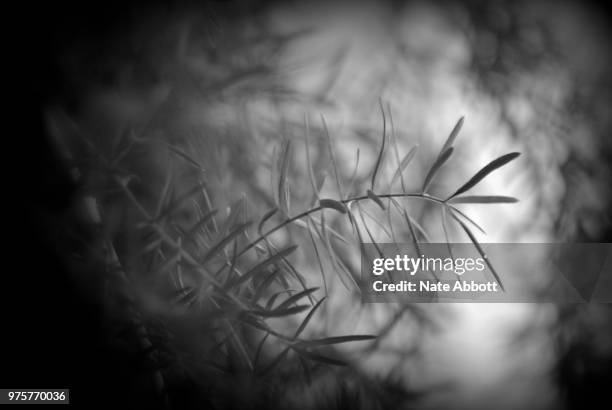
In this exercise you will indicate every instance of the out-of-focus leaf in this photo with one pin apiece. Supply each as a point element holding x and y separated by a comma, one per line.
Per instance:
<point>353,175</point>
<point>486,170</point>
<point>333,157</point>
<point>259,349</point>
<point>445,229</point>
<point>201,223</point>
<point>304,323</point>
<point>367,228</point>
<point>336,263</point>
<point>315,188</point>
<point>467,218</point>
<point>275,362</point>
<point>436,167</point>
<point>264,285</point>
<point>261,265</point>
<point>307,374</point>
<point>278,312</point>
<point>480,250</point>
<point>336,340</point>
<point>223,242</point>
<point>320,358</point>
<point>167,263</point>
<point>182,154</point>
<point>240,346</point>
<point>483,199</point>
<point>186,295</point>
<point>317,255</point>
<point>378,222</point>
<point>296,297</point>
<point>283,166</point>
<point>331,231</point>
<point>404,163</point>
<point>165,192</point>
<point>411,222</point>
<point>178,201</point>
<point>235,213</point>
<point>381,153</point>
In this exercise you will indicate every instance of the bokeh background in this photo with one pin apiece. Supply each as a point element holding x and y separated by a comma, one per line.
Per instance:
<point>226,82</point>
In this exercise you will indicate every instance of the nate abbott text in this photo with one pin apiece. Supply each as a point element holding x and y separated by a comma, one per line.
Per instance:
<point>427,286</point>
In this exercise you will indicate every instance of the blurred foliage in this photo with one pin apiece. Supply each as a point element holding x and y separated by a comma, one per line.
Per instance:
<point>142,105</point>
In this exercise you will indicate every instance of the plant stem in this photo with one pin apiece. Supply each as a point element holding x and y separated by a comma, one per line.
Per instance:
<point>344,201</point>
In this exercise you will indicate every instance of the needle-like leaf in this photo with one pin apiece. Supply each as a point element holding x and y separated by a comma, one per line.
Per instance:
<point>436,167</point>
<point>403,164</point>
<point>296,297</point>
<point>483,199</point>
<point>453,135</point>
<point>336,340</point>
<point>486,170</point>
<point>376,199</point>
<point>307,318</point>
<point>283,166</point>
<point>333,204</point>
<point>261,265</point>
<point>480,250</point>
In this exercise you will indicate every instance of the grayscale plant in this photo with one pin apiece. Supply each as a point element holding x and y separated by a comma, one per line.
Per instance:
<point>201,297</point>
